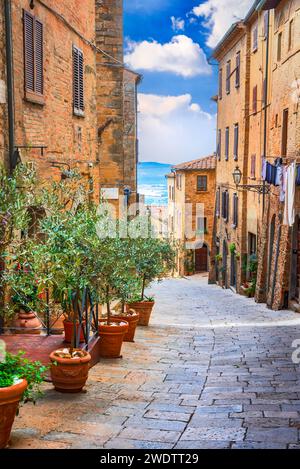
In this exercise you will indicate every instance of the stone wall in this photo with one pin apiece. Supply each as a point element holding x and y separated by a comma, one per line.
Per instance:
<point>3,97</point>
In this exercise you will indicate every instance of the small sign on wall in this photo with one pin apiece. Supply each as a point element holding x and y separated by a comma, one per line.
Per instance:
<point>110,193</point>
<point>2,92</point>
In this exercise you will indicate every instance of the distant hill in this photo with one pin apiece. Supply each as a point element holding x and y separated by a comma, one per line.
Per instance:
<point>152,182</point>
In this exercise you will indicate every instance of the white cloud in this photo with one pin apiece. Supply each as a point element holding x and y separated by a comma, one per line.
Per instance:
<point>173,129</point>
<point>178,24</point>
<point>180,56</point>
<point>219,16</point>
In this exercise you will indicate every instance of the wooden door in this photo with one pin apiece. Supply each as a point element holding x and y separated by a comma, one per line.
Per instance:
<point>201,259</point>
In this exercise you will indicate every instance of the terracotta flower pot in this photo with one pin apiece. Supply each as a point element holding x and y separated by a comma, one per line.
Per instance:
<point>27,323</point>
<point>132,317</point>
<point>9,402</point>
<point>144,308</point>
<point>68,327</point>
<point>111,338</point>
<point>69,375</point>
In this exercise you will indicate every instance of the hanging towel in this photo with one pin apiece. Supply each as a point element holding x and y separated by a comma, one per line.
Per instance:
<point>268,172</point>
<point>273,174</point>
<point>279,172</point>
<point>283,183</point>
<point>289,208</point>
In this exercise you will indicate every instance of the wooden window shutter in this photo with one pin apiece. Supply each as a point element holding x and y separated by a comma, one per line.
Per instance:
<point>78,85</point>
<point>253,166</point>
<point>236,142</point>
<point>227,143</point>
<point>220,84</point>
<point>228,74</point>
<point>235,210</point>
<point>254,103</point>
<point>219,144</point>
<point>238,70</point>
<point>218,201</point>
<point>33,54</point>
<point>227,205</point>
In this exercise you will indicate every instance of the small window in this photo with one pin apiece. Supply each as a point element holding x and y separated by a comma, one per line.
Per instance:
<point>33,56</point>
<point>291,35</point>
<point>201,183</point>
<point>252,247</point>
<point>255,39</point>
<point>253,167</point>
<point>220,84</point>
<point>266,24</point>
<point>236,142</point>
<point>78,85</point>
<point>254,100</point>
<point>179,181</point>
<point>219,144</point>
<point>238,70</point>
<point>235,213</point>
<point>279,47</point>
<point>227,143</point>
<point>228,74</point>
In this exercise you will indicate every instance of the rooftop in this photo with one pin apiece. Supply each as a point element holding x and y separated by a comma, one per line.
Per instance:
<point>209,162</point>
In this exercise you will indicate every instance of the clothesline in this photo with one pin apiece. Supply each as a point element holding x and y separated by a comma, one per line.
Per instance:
<point>286,177</point>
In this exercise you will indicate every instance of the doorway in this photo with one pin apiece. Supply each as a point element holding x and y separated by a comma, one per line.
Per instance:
<point>201,259</point>
<point>224,266</point>
<point>233,270</point>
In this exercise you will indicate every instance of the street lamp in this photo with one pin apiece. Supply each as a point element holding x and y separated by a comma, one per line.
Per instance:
<point>237,176</point>
<point>260,188</point>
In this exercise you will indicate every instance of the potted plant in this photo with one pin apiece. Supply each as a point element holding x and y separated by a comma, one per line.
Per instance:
<point>153,258</point>
<point>19,383</point>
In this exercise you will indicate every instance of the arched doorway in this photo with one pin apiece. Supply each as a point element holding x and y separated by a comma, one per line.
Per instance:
<point>201,259</point>
<point>224,266</point>
<point>295,262</point>
<point>271,247</point>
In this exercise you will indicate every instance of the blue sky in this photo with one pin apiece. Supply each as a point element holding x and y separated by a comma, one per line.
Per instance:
<point>169,42</point>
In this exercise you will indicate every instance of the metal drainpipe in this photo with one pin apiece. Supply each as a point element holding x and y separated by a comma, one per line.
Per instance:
<point>266,102</point>
<point>10,82</point>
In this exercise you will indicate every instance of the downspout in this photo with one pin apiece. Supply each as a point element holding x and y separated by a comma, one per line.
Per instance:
<point>10,83</point>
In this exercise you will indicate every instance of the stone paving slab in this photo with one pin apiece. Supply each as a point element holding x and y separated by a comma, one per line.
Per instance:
<point>213,370</point>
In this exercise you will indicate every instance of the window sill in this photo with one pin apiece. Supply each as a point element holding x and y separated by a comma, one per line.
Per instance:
<point>34,98</point>
<point>201,191</point>
<point>78,113</point>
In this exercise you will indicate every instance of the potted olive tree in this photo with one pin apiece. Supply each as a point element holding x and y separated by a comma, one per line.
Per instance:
<point>154,258</point>
<point>19,383</point>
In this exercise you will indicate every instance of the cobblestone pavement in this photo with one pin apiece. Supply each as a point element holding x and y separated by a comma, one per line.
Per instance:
<point>214,370</point>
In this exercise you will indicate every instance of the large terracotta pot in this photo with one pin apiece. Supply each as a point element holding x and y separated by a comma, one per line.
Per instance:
<point>68,327</point>
<point>9,402</point>
<point>132,317</point>
<point>69,375</point>
<point>27,323</point>
<point>111,338</point>
<point>144,308</point>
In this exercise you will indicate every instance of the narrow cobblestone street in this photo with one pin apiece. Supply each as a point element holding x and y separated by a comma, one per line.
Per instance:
<point>213,370</point>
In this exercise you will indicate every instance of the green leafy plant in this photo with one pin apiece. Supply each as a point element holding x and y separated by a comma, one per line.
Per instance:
<point>219,257</point>
<point>232,248</point>
<point>17,367</point>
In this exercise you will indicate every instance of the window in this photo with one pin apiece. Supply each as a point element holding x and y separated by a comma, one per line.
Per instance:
<point>291,35</point>
<point>228,73</point>
<point>254,100</point>
<point>284,138</point>
<point>225,205</point>
<point>179,181</point>
<point>218,202</point>
<point>266,24</point>
<point>252,243</point>
<point>227,143</point>
<point>279,47</point>
<point>201,183</point>
<point>219,144</point>
<point>33,57</point>
<point>78,87</point>
<point>235,210</point>
<point>255,39</point>
<point>253,167</point>
<point>220,84</point>
<point>236,142</point>
<point>238,70</point>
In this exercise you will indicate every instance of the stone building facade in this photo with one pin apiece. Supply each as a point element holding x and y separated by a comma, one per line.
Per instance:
<point>279,254</point>
<point>3,95</point>
<point>230,239</point>
<point>69,91</point>
<point>191,203</point>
